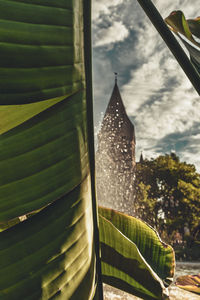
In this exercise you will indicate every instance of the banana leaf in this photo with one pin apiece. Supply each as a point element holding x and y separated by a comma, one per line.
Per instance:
<point>134,258</point>
<point>49,237</point>
<point>189,33</point>
<point>45,173</point>
<point>189,283</point>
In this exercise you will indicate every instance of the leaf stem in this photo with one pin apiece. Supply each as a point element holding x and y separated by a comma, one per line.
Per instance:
<point>90,124</point>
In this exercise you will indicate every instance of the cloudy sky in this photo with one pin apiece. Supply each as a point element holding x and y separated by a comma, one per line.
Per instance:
<point>158,97</point>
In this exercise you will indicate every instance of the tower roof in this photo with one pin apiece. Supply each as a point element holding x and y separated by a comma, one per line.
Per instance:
<point>116,118</point>
<point>141,158</point>
<point>115,102</point>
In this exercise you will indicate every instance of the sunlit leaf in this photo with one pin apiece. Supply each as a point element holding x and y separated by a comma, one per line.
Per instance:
<point>50,254</point>
<point>44,161</point>
<point>47,240</point>
<point>189,32</point>
<point>133,256</point>
<point>190,283</point>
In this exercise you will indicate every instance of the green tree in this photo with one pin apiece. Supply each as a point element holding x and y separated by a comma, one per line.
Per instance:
<point>170,191</point>
<point>145,206</point>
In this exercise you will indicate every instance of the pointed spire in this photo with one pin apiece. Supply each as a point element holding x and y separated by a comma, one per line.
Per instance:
<point>141,158</point>
<point>116,118</point>
<point>115,104</point>
<point>115,77</point>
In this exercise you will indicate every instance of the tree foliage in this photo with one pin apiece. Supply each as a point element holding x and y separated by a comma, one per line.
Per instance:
<point>168,193</point>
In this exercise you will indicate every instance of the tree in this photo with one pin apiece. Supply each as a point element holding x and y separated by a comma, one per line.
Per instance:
<point>172,189</point>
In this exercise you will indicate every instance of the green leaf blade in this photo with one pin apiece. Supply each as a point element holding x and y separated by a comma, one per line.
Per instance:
<point>156,253</point>
<point>46,64</point>
<point>44,161</point>
<point>46,246</point>
<point>51,161</point>
<point>186,31</point>
<point>124,267</point>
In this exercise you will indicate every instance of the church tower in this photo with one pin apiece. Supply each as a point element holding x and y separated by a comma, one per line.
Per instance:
<point>115,158</point>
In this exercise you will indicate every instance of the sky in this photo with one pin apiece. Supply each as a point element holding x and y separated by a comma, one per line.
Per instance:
<point>159,98</point>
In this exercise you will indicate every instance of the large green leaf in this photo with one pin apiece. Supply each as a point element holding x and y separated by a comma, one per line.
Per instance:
<point>49,254</point>
<point>133,256</point>
<point>41,50</point>
<point>45,169</point>
<point>43,158</point>
<point>189,283</point>
<point>189,32</point>
<point>44,161</point>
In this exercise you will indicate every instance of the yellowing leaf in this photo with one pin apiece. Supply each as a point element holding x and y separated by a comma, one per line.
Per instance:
<point>189,283</point>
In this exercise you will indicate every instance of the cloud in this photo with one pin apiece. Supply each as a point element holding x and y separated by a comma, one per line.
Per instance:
<point>188,146</point>
<point>116,32</point>
<point>190,153</point>
<point>103,6</point>
<point>160,98</point>
<point>189,8</point>
<point>157,95</point>
<point>170,125</point>
<point>108,28</point>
